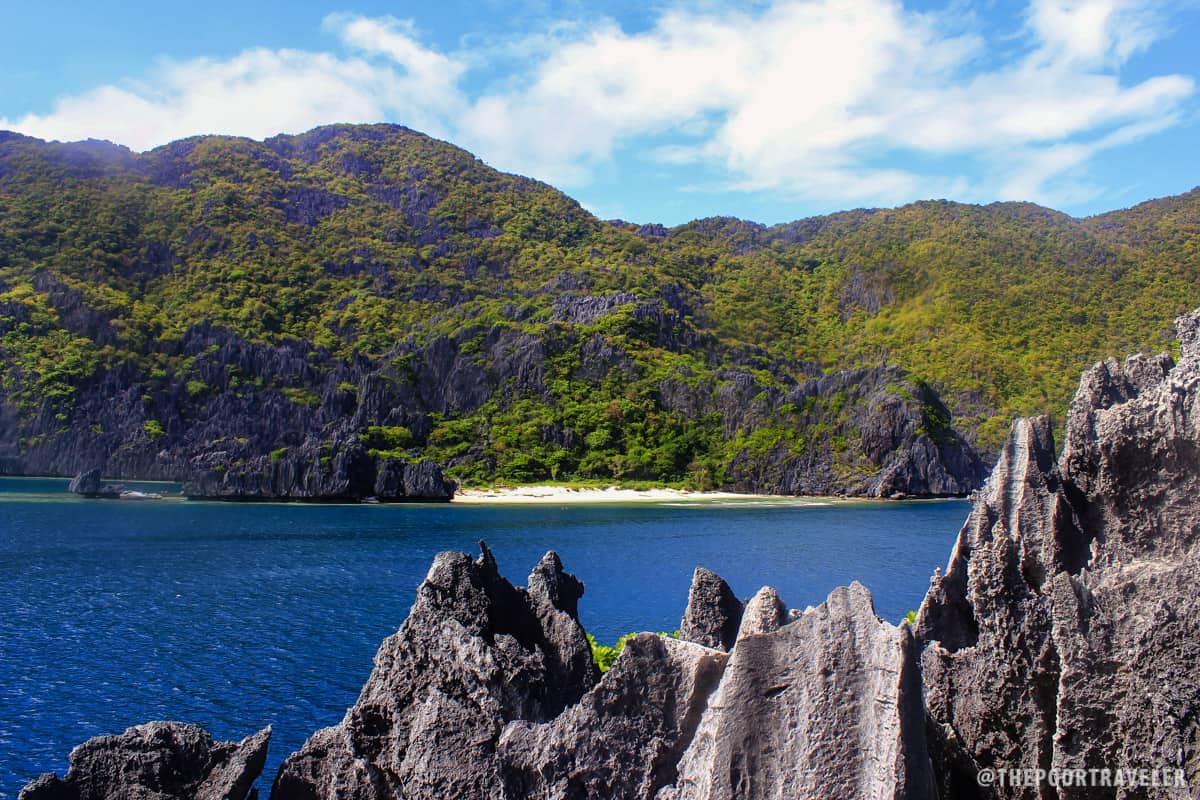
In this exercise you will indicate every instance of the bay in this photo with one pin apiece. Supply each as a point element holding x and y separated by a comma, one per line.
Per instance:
<point>233,616</point>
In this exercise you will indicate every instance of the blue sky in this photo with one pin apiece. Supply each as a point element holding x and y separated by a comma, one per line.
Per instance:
<point>662,111</point>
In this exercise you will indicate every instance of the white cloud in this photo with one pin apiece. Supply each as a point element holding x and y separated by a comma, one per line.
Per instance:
<point>833,100</point>
<point>810,96</point>
<point>432,73</point>
<point>260,93</point>
<point>1094,32</point>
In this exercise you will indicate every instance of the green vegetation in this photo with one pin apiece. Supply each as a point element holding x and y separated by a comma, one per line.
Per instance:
<point>369,244</point>
<point>390,441</point>
<point>606,656</point>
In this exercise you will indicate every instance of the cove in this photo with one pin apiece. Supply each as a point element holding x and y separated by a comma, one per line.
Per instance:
<point>233,616</point>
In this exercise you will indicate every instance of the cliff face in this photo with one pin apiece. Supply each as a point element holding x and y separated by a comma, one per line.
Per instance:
<point>1065,631</point>
<point>250,420</point>
<point>826,704</point>
<point>1062,637</point>
<point>317,471</point>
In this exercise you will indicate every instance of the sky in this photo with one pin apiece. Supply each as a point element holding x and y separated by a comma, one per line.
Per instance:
<point>661,110</point>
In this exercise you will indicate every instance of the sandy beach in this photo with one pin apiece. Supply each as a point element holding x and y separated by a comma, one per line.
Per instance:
<point>611,494</point>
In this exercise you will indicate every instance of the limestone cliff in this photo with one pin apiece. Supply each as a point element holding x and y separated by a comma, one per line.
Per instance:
<point>1065,632</point>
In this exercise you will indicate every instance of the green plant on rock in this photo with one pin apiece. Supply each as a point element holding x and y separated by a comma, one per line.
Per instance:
<point>606,656</point>
<point>154,430</point>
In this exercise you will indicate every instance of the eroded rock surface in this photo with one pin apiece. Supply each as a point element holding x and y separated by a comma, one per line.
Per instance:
<point>828,705</point>
<point>316,471</point>
<point>488,691</point>
<point>1066,630</point>
<point>713,612</point>
<point>625,737</point>
<point>89,484</point>
<point>474,654</point>
<point>158,761</point>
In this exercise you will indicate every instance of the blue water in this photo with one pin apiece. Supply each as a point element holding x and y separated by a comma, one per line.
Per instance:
<point>234,616</point>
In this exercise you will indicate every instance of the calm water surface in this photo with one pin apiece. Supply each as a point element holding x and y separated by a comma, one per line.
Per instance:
<point>235,616</point>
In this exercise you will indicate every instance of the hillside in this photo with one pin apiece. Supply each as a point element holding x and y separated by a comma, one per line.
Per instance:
<point>231,307</point>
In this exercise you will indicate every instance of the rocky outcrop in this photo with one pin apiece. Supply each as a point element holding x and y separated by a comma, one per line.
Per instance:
<point>625,737</point>
<point>1065,632</point>
<point>828,705</point>
<point>158,761</point>
<point>90,484</point>
<point>889,436</point>
<point>713,612</point>
<point>319,473</point>
<point>488,691</point>
<point>474,654</point>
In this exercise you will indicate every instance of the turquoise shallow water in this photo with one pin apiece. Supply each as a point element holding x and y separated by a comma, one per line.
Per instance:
<point>233,616</point>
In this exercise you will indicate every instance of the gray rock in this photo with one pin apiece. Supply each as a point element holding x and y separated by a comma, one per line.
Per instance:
<point>585,309</point>
<point>713,612</point>
<point>424,481</point>
<point>158,761</point>
<point>1065,632</point>
<point>398,481</point>
<point>89,484</point>
<point>897,436</point>
<point>316,472</point>
<point>624,738</point>
<point>828,706</point>
<point>474,654</point>
<point>765,613</point>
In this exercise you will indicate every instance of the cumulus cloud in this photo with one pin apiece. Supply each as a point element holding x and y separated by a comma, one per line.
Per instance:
<point>813,97</point>
<point>829,100</point>
<point>260,93</point>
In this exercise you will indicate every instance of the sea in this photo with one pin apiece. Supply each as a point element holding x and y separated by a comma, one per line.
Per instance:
<point>233,616</point>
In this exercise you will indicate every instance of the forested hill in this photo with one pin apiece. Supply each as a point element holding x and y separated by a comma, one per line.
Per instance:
<point>232,306</point>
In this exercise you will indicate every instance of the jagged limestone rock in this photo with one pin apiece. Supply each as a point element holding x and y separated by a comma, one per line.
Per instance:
<point>713,612</point>
<point>474,654</point>
<point>89,484</point>
<point>826,706</point>
<point>318,471</point>
<point>158,761</point>
<point>625,737</point>
<point>763,614</point>
<point>1066,630</point>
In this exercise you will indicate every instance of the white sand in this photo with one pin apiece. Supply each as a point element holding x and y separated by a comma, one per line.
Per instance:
<point>567,495</point>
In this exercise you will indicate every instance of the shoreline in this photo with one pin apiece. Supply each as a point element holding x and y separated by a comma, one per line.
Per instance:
<point>543,494</point>
<point>532,494</point>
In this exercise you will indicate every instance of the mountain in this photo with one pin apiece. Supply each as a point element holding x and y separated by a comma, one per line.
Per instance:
<point>331,309</point>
